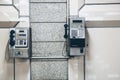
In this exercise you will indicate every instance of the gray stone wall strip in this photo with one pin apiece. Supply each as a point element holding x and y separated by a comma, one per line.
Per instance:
<point>59,1</point>
<point>50,70</point>
<point>53,12</point>
<point>49,49</point>
<point>47,18</point>
<point>47,31</point>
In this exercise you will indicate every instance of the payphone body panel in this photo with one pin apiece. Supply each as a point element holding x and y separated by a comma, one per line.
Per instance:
<point>19,43</point>
<point>77,36</point>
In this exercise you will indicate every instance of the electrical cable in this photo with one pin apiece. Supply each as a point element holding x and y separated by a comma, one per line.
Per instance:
<point>84,65</point>
<point>63,50</point>
<point>14,68</point>
<point>12,51</point>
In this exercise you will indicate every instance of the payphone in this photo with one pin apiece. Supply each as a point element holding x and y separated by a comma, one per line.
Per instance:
<point>75,33</point>
<point>19,43</point>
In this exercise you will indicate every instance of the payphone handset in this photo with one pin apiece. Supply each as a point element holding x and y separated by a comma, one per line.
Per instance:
<point>19,42</point>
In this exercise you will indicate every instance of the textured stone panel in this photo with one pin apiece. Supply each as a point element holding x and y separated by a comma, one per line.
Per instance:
<point>49,49</point>
<point>49,70</point>
<point>48,12</point>
<point>47,31</point>
<point>48,0</point>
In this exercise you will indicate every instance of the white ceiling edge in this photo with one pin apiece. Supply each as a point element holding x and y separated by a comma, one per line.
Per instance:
<point>101,1</point>
<point>9,16</point>
<point>5,1</point>
<point>101,15</point>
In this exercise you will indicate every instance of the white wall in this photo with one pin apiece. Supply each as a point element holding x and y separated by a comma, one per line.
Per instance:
<point>22,71</point>
<point>5,1</point>
<point>6,68</point>
<point>103,54</point>
<point>75,6</point>
<point>103,29</point>
<point>102,57</point>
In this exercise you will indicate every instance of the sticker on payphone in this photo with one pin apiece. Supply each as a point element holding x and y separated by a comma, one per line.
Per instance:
<point>21,38</point>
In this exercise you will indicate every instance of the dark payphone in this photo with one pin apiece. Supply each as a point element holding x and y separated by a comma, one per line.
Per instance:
<point>75,33</point>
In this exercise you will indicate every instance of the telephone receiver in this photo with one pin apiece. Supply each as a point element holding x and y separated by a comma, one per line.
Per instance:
<point>12,38</point>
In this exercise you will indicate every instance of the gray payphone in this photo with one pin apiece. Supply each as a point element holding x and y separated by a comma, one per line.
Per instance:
<point>19,43</point>
<point>76,36</point>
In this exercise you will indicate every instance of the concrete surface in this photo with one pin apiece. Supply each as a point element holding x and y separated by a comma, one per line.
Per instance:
<point>49,70</point>
<point>49,49</point>
<point>47,22</point>
<point>47,31</point>
<point>48,1</point>
<point>48,12</point>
